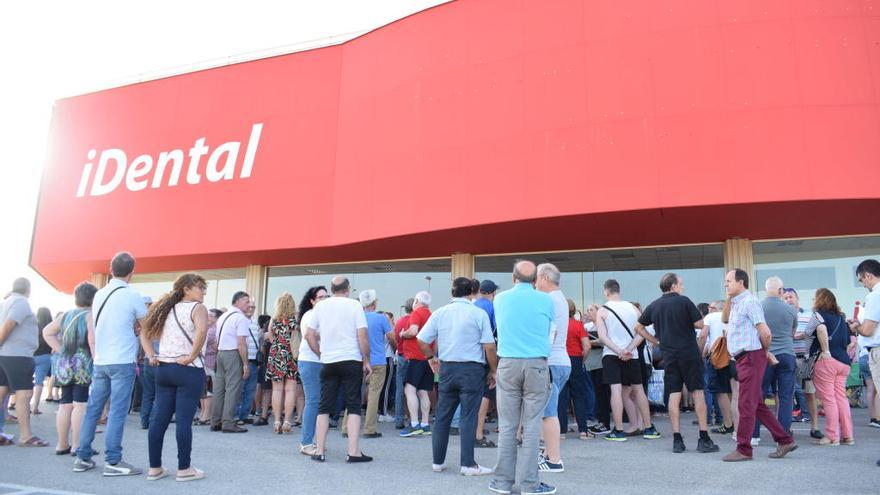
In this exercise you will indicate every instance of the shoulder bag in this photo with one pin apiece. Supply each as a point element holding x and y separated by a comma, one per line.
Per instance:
<point>98,315</point>
<point>641,347</point>
<point>804,368</point>
<point>75,368</point>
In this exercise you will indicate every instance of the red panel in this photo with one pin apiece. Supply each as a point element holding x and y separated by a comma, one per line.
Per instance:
<point>456,128</point>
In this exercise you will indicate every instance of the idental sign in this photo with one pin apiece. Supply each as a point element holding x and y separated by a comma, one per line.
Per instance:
<point>144,171</point>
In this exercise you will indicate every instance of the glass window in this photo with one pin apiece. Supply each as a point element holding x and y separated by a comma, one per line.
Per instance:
<point>393,282</point>
<point>810,264</point>
<point>222,284</point>
<point>637,270</point>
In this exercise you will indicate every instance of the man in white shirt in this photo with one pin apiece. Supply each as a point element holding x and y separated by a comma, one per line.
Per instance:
<point>337,333</point>
<point>621,367</point>
<point>232,359</point>
<point>868,273</point>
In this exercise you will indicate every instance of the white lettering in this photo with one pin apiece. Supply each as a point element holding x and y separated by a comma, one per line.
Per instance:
<point>166,156</point>
<point>229,149</point>
<point>118,156</point>
<point>140,173</point>
<point>195,154</point>
<point>251,151</point>
<point>139,167</point>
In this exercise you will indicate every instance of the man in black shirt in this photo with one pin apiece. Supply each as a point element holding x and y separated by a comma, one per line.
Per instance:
<point>675,317</point>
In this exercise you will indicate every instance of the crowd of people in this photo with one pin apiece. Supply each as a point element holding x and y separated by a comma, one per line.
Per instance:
<point>524,358</point>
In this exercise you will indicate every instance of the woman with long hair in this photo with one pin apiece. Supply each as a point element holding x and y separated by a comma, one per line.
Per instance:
<point>72,338</point>
<point>281,366</point>
<point>42,359</point>
<point>309,372</point>
<point>179,321</point>
<point>832,367</point>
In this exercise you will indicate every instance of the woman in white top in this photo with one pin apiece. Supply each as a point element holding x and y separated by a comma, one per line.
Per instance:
<point>179,321</point>
<point>309,371</point>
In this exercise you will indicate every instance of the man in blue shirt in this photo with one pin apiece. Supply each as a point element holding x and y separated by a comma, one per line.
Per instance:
<point>525,320</point>
<point>378,329</point>
<point>117,308</point>
<point>463,335</point>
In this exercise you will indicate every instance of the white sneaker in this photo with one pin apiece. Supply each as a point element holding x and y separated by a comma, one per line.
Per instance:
<point>756,442</point>
<point>476,470</point>
<point>310,449</point>
<point>438,468</point>
<point>384,418</point>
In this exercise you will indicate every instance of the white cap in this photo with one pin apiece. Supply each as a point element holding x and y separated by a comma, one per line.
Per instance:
<point>367,297</point>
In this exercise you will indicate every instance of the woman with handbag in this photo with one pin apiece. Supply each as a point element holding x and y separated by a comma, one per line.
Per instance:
<point>72,339</point>
<point>179,321</point>
<point>832,366</point>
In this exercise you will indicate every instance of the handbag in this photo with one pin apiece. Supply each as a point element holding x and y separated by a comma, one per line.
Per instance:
<point>804,368</point>
<point>718,354</point>
<point>75,368</point>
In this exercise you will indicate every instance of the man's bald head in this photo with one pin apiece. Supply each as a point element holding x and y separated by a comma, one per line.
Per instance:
<point>524,271</point>
<point>340,285</point>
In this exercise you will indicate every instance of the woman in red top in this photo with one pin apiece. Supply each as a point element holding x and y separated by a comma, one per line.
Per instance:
<point>578,346</point>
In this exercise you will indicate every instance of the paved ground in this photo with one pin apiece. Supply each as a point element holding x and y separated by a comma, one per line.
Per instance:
<point>260,462</point>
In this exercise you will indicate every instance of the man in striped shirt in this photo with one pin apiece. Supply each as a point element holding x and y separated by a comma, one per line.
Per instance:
<point>748,339</point>
<point>804,391</point>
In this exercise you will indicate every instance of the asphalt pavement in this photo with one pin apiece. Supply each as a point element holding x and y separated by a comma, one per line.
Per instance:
<point>262,462</point>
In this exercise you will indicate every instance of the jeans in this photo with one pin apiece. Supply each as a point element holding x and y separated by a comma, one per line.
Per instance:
<point>461,387</point>
<point>710,389</point>
<point>148,387</point>
<point>248,391</point>
<point>114,382</point>
<point>829,378</point>
<point>591,395</point>
<point>574,390</point>
<point>750,373</point>
<point>399,399</point>
<point>603,398</point>
<point>178,389</point>
<point>310,373</point>
<point>781,377</point>
<point>522,393</point>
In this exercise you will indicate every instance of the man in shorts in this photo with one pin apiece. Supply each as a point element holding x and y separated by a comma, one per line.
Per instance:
<point>419,380</point>
<point>18,341</point>
<point>675,317</point>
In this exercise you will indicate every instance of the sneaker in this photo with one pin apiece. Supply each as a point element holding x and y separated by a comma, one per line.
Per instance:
<point>539,489</point>
<point>805,418</point>
<point>358,458</point>
<point>651,433</point>
<point>875,422</point>
<point>550,467</point>
<point>756,441</point>
<point>706,445</point>
<point>723,430</point>
<point>599,429</point>
<point>80,465</point>
<point>678,445</point>
<point>411,431</point>
<point>384,418</point>
<point>476,471</point>
<point>497,487</point>
<point>426,430</point>
<point>121,469</point>
<point>309,450</point>
<point>439,468</point>
<point>635,433</point>
<point>616,436</point>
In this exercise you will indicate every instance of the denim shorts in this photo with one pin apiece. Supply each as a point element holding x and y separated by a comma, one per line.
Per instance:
<point>558,378</point>
<point>864,369</point>
<point>42,368</point>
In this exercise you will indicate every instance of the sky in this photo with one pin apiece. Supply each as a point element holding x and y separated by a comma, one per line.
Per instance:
<point>54,49</point>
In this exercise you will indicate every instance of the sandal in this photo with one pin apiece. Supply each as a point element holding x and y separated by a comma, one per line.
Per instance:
<point>285,428</point>
<point>156,477</point>
<point>585,435</point>
<point>277,427</point>
<point>62,451</point>
<point>36,412</point>
<point>196,475</point>
<point>34,441</point>
<point>6,441</point>
<point>485,443</point>
<point>200,422</point>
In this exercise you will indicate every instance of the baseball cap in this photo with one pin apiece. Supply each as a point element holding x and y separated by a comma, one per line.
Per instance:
<point>488,287</point>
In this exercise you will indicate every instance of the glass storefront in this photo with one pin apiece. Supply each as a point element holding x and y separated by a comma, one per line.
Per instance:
<point>393,282</point>
<point>637,270</point>
<point>810,264</point>
<point>222,284</point>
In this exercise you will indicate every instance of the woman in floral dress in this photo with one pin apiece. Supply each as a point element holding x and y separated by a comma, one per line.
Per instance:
<point>281,363</point>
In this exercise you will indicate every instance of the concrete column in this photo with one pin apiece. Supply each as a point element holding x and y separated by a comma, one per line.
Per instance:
<point>99,279</point>
<point>255,279</point>
<point>462,265</point>
<point>738,254</point>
